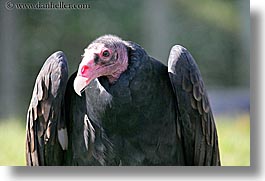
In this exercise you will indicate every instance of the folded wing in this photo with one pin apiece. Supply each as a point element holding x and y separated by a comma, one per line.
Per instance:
<point>199,133</point>
<point>46,133</point>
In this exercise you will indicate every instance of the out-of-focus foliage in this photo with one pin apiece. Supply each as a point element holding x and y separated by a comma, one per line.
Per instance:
<point>216,33</point>
<point>234,140</point>
<point>12,141</point>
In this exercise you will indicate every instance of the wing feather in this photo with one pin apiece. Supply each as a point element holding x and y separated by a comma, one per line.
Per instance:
<point>43,146</point>
<point>199,133</point>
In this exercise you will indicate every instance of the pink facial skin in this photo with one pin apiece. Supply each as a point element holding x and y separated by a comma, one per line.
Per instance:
<point>99,60</point>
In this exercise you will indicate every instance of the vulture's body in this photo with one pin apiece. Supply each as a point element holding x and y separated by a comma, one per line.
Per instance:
<point>150,114</point>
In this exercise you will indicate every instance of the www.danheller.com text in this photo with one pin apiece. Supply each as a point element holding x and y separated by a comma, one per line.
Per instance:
<point>49,5</point>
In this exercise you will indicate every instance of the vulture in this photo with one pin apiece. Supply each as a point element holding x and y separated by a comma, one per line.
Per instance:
<point>121,107</point>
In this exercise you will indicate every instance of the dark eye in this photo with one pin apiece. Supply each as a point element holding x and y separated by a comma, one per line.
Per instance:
<point>106,53</point>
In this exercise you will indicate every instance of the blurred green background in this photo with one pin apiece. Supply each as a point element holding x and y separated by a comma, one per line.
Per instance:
<point>217,33</point>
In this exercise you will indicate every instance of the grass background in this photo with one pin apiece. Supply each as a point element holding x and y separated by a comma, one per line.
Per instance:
<point>234,140</point>
<point>233,132</point>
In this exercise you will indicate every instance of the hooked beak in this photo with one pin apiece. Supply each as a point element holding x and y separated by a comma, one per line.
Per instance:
<point>87,71</point>
<point>80,83</point>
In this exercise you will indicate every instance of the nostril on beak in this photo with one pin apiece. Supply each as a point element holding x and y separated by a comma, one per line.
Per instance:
<point>84,69</point>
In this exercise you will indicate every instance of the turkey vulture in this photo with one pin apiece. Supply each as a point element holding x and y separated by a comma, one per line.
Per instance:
<point>121,107</point>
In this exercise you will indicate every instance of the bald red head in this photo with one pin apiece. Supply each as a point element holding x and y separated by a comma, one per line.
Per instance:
<point>106,56</point>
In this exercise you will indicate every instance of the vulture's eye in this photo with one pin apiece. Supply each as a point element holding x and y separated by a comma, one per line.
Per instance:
<point>106,53</point>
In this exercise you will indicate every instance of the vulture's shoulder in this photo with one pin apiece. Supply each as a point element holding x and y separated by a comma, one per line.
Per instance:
<point>142,63</point>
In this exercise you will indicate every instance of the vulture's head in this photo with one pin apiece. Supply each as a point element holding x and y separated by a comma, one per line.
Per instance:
<point>106,56</point>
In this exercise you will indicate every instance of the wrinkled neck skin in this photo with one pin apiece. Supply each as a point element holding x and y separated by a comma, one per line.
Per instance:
<point>116,75</point>
<point>121,65</point>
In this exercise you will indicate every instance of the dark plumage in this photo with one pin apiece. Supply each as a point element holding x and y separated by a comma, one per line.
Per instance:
<point>132,110</point>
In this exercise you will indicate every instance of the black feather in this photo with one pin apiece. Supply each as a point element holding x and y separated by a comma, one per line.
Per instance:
<point>149,116</point>
<point>202,144</point>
